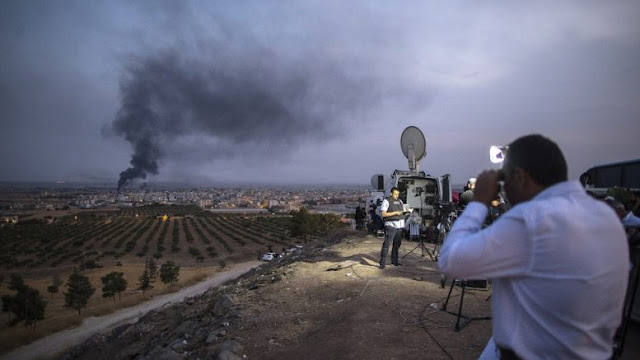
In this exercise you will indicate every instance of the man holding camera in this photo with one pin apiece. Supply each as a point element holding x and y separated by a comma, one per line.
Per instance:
<point>392,211</point>
<point>558,259</point>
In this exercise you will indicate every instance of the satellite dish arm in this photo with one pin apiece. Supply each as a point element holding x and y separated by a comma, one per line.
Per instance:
<point>413,164</point>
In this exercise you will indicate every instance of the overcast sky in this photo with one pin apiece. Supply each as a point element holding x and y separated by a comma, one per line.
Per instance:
<point>309,91</point>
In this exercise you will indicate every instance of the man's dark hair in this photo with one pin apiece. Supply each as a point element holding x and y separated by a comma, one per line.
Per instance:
<point>394,189</point>
<point>540,157</point>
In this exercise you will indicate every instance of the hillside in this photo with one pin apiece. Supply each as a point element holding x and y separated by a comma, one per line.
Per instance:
<point>329,302</point>
<point>121,240</point>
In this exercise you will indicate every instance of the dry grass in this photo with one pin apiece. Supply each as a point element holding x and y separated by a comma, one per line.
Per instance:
<point>58,317</point>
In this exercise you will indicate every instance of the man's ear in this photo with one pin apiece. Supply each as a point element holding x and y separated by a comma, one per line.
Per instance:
<point>527,183</point>
<point>520,176</point>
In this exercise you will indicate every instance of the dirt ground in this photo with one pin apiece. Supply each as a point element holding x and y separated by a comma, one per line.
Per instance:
<point>327,302</point>
<point>59,341</point>
<point>359,311</point>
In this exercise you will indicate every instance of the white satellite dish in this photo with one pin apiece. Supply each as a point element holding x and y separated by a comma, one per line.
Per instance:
<point>497,153</point>
<point>379,181</point>
<point>414,146</point>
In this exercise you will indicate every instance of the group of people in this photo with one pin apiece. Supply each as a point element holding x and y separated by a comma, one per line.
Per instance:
<point>558,259</point>
<point>626,214</point>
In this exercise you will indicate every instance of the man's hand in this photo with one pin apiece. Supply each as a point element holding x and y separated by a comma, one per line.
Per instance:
<point>487,187</point>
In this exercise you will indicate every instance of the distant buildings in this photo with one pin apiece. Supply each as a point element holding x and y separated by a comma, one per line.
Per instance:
<point>279,198</point>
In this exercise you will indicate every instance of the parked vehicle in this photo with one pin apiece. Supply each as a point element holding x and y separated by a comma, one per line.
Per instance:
<point>625,174</point>
<point>270,256</point>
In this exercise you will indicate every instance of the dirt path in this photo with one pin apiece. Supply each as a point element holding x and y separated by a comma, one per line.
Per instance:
<point>55,343</point>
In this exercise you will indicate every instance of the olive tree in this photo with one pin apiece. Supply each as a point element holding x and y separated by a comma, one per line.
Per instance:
<point>79,291</point>
<point>27,304</point>
<point>114,283</point>
<point>169,272</point>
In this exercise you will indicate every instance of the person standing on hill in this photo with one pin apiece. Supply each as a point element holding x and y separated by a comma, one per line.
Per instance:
<point>392,211</point>
<point>558,259</point>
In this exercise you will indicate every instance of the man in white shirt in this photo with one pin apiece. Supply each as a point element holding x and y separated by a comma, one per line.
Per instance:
<point>631,220</point>
<point>558,259</point>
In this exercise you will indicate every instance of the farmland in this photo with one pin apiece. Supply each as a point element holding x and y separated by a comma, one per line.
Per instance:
<point>183,233</point>
<point>98,242</point>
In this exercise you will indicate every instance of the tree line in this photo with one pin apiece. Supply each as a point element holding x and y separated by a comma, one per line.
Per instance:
<point>28,305</point>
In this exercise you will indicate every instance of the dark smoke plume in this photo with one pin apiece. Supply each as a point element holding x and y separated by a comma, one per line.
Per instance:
<point>254,99</point>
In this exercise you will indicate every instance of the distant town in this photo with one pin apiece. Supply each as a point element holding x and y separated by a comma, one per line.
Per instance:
<point>19,198</point>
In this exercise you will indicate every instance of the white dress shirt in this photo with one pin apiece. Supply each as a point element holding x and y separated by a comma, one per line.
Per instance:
<point>559,268</point>
<point>631,220</point>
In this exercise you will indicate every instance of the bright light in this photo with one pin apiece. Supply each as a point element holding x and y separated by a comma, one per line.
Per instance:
<point>496,154</point>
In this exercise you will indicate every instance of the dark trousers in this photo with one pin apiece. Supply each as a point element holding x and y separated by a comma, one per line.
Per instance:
<point>394,235</point>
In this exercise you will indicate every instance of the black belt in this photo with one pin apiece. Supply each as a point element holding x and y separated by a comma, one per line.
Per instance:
<point>507,354</point>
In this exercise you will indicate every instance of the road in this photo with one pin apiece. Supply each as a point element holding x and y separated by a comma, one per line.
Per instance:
<point>56,343</point>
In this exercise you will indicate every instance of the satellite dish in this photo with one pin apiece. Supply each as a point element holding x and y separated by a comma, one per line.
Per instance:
<point>379,181</point>
<point>414,146</point>
<point>496,154</point>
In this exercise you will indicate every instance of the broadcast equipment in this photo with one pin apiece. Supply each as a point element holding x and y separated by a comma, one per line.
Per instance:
<point>379,181</point>
<point>464,284</point>
<point>419,191</point>
<point>415,227</point>
<point>414,146</point>
<point>497,153</point>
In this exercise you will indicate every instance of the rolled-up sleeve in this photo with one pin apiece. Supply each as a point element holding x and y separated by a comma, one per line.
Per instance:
<point>496,251</point>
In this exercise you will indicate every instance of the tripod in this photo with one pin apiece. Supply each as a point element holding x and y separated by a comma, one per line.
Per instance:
<point>464,284</point>
<point>443,229</point>
<point>424,250</point>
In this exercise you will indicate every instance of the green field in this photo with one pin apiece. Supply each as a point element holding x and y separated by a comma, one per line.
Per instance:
<point>185,233</point>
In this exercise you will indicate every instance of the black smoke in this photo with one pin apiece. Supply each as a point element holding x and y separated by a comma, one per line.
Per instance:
<point>255,98</point>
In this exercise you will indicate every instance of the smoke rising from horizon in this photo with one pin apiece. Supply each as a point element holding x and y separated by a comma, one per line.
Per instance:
<point>256,99</point>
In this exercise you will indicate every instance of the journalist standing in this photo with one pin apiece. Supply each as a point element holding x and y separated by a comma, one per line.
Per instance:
<point>392,211</point>
<point>558,259</point>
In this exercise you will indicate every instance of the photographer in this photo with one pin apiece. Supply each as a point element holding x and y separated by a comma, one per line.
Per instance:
<point>392,211</point>
<point>557,259</point>
<point>467,196</point>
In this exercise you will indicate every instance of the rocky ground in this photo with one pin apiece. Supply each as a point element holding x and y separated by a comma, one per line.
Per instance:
<point>329,302</point>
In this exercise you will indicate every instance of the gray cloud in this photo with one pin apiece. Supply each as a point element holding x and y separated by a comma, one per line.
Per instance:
<point>309,91</point>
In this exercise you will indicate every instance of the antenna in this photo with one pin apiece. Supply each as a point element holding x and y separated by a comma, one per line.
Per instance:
<point>414,146</point>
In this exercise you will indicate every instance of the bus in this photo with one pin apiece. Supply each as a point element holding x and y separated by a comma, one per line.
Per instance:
<point>625,174</point>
